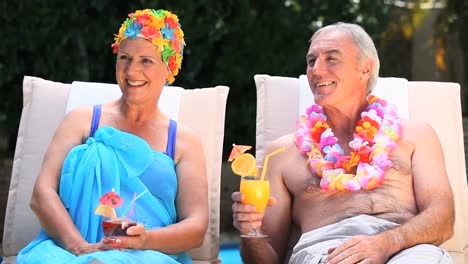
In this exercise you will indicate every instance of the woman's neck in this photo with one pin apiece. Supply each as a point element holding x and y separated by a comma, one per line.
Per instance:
<point>140,113</point>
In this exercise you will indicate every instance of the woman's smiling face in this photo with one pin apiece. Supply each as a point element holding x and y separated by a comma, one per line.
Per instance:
<point>140,71</point>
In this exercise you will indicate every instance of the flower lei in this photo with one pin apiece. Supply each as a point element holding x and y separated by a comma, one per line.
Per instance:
<point>162,28</point>
<point>377,133</point>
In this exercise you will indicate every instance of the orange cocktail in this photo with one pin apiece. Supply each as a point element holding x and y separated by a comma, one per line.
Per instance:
<point>255,189</point>
<point>256,192</point>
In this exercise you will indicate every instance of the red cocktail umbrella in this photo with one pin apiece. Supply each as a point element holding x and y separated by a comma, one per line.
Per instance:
<point>237,150</point>
<point>108,202</point>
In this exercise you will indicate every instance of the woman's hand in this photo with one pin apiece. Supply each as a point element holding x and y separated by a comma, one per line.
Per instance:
<point>86,248</point>
<point>136,239</point>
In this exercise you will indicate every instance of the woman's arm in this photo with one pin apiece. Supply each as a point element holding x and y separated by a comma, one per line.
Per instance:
<point>45,201</point>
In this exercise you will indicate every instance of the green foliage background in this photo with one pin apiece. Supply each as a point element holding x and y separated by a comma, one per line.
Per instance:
<point>228,42</point>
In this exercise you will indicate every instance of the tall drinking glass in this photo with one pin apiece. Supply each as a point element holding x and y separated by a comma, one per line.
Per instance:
<point>256,192</point>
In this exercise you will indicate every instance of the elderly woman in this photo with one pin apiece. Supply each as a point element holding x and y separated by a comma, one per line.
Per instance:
<point>130,147</point>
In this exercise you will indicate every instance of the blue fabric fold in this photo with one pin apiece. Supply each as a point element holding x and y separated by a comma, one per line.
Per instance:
<point>112,159</point>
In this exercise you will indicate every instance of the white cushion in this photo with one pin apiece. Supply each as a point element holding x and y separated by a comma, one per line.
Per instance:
<point>204,111</point>
<point>43,107</point>
<point>438,103</point>
<point>45,104</point>
<point>274,93</point>
<point>91,93</point>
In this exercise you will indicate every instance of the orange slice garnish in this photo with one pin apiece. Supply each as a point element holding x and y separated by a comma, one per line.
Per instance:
<point>244,165</point>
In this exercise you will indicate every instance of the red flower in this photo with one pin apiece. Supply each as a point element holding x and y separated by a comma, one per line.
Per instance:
<point>150,32</point>
<point>171,22</point>
<point>363,154</point>
<point>172,64</point>
<point>316,132</point>
<point>115,48</point>
<point>366,127</point>
<point>144,19</point>
<point>175,43</point>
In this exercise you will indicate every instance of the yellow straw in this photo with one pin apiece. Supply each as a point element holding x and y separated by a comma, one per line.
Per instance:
<point>265,161</point>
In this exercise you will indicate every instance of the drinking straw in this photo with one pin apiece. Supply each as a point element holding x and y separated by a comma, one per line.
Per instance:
<point>127,210</point>
<point>265,161</point>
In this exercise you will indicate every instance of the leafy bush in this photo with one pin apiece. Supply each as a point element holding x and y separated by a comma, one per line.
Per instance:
<point>228,42</point>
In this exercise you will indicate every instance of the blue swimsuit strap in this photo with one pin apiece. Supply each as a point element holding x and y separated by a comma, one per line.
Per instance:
<point>171,134</point>
<point>95,121</point>
<point>171,138</point>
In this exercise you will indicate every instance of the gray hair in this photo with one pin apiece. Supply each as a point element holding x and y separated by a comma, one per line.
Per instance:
<point>364,43</point>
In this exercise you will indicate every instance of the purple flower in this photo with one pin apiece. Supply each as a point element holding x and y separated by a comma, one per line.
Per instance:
<point>378,111</point>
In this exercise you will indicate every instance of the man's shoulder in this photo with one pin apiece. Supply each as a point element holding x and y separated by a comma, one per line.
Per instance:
<point>416,121</point>
<point>287,141</point>
<point>284,140</point>
<point>414,130</point>
<point>414,126</point>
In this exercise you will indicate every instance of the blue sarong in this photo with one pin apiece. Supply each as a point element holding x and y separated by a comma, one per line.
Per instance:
<point>112,159</point>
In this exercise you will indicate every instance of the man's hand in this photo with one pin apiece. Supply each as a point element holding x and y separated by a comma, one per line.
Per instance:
<point>244,215</point>
<point>360,249</point>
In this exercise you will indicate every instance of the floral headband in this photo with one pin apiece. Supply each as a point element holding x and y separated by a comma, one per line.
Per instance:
<point>162,28</point>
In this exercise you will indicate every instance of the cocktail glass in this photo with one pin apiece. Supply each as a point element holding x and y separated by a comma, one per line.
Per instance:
<point>256,191</point>
<point>116,227</point>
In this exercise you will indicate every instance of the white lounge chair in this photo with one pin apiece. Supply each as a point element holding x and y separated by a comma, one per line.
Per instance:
<point>44,105</point>
<point>280,101</point>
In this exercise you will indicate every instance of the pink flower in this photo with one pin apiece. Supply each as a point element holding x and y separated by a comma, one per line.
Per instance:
<point>327,141</point>
<point>369,176</point>
<point>381,160</point>
<point>318,165</point>
<point>350,182</point>
<point>314,108</point>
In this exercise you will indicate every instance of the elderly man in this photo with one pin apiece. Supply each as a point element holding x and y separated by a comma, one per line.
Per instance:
<point>361,184</point>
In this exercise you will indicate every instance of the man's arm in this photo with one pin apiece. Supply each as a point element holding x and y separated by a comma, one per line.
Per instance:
<point>434,199</point>
<point>275,222</point>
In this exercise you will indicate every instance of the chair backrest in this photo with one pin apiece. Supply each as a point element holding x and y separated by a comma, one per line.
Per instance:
<point>45,104</point>
<point>279,103</point>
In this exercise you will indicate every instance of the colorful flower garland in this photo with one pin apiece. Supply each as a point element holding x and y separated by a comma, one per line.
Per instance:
<point>162,28</point>
<point>376,136</point>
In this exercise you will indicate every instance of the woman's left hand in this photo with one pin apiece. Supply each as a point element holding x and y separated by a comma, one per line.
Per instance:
<point>135,239</point>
